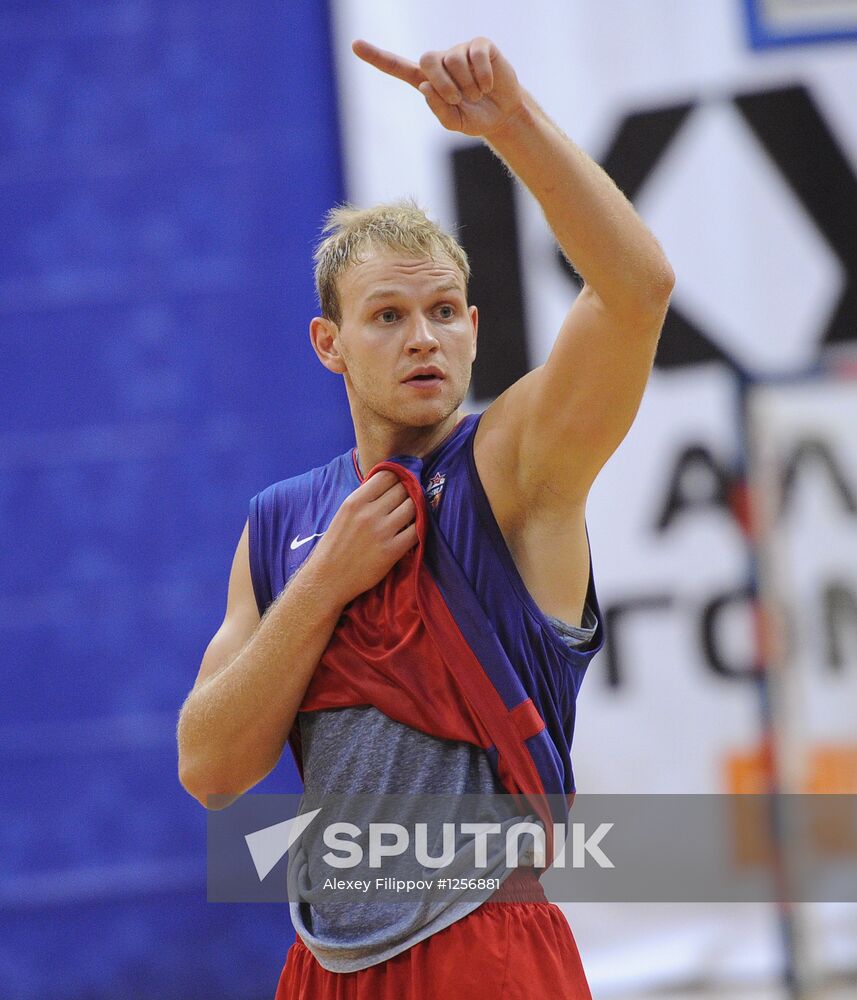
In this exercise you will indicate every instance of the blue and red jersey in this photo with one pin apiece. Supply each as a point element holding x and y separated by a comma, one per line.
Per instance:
<point>450,642</point>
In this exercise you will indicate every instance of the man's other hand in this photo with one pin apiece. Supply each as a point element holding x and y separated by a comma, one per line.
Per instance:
<point>373,528</point>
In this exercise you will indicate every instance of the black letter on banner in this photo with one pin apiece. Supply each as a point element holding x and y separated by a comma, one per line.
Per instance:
<point>485,203</point>
<point>618,612</point>
<point>710,616</point>
<point>813,450</point>
<point>697,482</point>
<point>789,125</point>
<point>840,609</point>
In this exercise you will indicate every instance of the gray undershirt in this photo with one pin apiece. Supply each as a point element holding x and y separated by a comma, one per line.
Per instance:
<point>360,750</point>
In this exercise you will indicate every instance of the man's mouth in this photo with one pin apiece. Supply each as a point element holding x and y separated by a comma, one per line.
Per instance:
<point>425,377</point>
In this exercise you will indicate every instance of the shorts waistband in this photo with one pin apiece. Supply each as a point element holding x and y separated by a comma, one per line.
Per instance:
<point>521,886</point>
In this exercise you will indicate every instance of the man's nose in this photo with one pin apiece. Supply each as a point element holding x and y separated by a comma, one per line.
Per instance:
<point>421,336</point>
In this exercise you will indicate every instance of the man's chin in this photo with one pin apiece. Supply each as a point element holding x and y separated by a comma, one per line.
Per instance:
<point>419,413</point>
<point>428,415</point>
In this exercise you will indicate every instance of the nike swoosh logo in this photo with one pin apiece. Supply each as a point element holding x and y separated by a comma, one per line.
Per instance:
<point>297,541</point>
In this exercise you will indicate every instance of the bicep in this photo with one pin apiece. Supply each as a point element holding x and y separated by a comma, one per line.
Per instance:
<point>577,407</point>
<point>241,619</point>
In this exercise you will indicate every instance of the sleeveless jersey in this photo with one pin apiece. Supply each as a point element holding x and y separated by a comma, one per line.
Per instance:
<point>287,519</point>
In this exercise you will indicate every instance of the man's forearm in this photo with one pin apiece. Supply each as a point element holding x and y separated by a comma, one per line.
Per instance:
<point>233,727</point>
<point>594,223</point>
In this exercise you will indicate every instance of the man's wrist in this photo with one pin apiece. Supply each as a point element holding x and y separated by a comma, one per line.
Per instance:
<point>516,126</point>
<point>319,582</point>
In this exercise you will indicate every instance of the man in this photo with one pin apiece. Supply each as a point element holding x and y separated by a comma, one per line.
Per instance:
<point>396,324</point>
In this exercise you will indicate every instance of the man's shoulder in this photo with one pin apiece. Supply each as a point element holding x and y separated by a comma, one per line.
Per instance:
<point>313,481</point>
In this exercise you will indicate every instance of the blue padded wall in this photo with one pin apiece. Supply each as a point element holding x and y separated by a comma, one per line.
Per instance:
<point>164,168</point>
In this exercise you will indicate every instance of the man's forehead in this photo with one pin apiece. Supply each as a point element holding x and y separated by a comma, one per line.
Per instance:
<point>382,270</point>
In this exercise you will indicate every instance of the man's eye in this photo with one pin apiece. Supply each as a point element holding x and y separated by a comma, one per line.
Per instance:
<point>388,316</point>
<point>446,312</point>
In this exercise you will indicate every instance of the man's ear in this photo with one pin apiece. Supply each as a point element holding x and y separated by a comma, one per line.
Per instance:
<point>322,335</point>
<point>474,319</point>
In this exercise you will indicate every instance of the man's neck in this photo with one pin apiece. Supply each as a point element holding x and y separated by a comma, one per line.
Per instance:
<point>375,447</point>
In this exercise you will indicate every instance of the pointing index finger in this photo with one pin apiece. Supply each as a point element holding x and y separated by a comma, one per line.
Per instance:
<point>388,62</point>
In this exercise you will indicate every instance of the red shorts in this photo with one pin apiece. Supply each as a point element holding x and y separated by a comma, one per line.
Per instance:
<point>516,946</point>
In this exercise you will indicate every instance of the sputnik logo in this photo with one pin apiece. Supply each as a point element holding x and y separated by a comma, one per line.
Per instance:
<point>269,845</point>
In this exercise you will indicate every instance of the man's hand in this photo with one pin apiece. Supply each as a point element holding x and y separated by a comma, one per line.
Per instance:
<point>471,87</point>
<point>373,528</point>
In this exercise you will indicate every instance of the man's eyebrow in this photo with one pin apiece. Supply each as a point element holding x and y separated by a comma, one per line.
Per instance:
<point>390,293</point>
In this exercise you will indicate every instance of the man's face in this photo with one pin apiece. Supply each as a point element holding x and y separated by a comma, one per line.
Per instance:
<point>401,314</point>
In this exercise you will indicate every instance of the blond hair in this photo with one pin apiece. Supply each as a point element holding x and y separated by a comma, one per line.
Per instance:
<point>350,232</point>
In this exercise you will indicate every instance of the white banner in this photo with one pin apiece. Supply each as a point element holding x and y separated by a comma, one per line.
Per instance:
<point>739,163</point>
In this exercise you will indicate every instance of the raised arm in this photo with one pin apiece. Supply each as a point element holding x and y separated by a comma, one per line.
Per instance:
<point>560,423</point>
